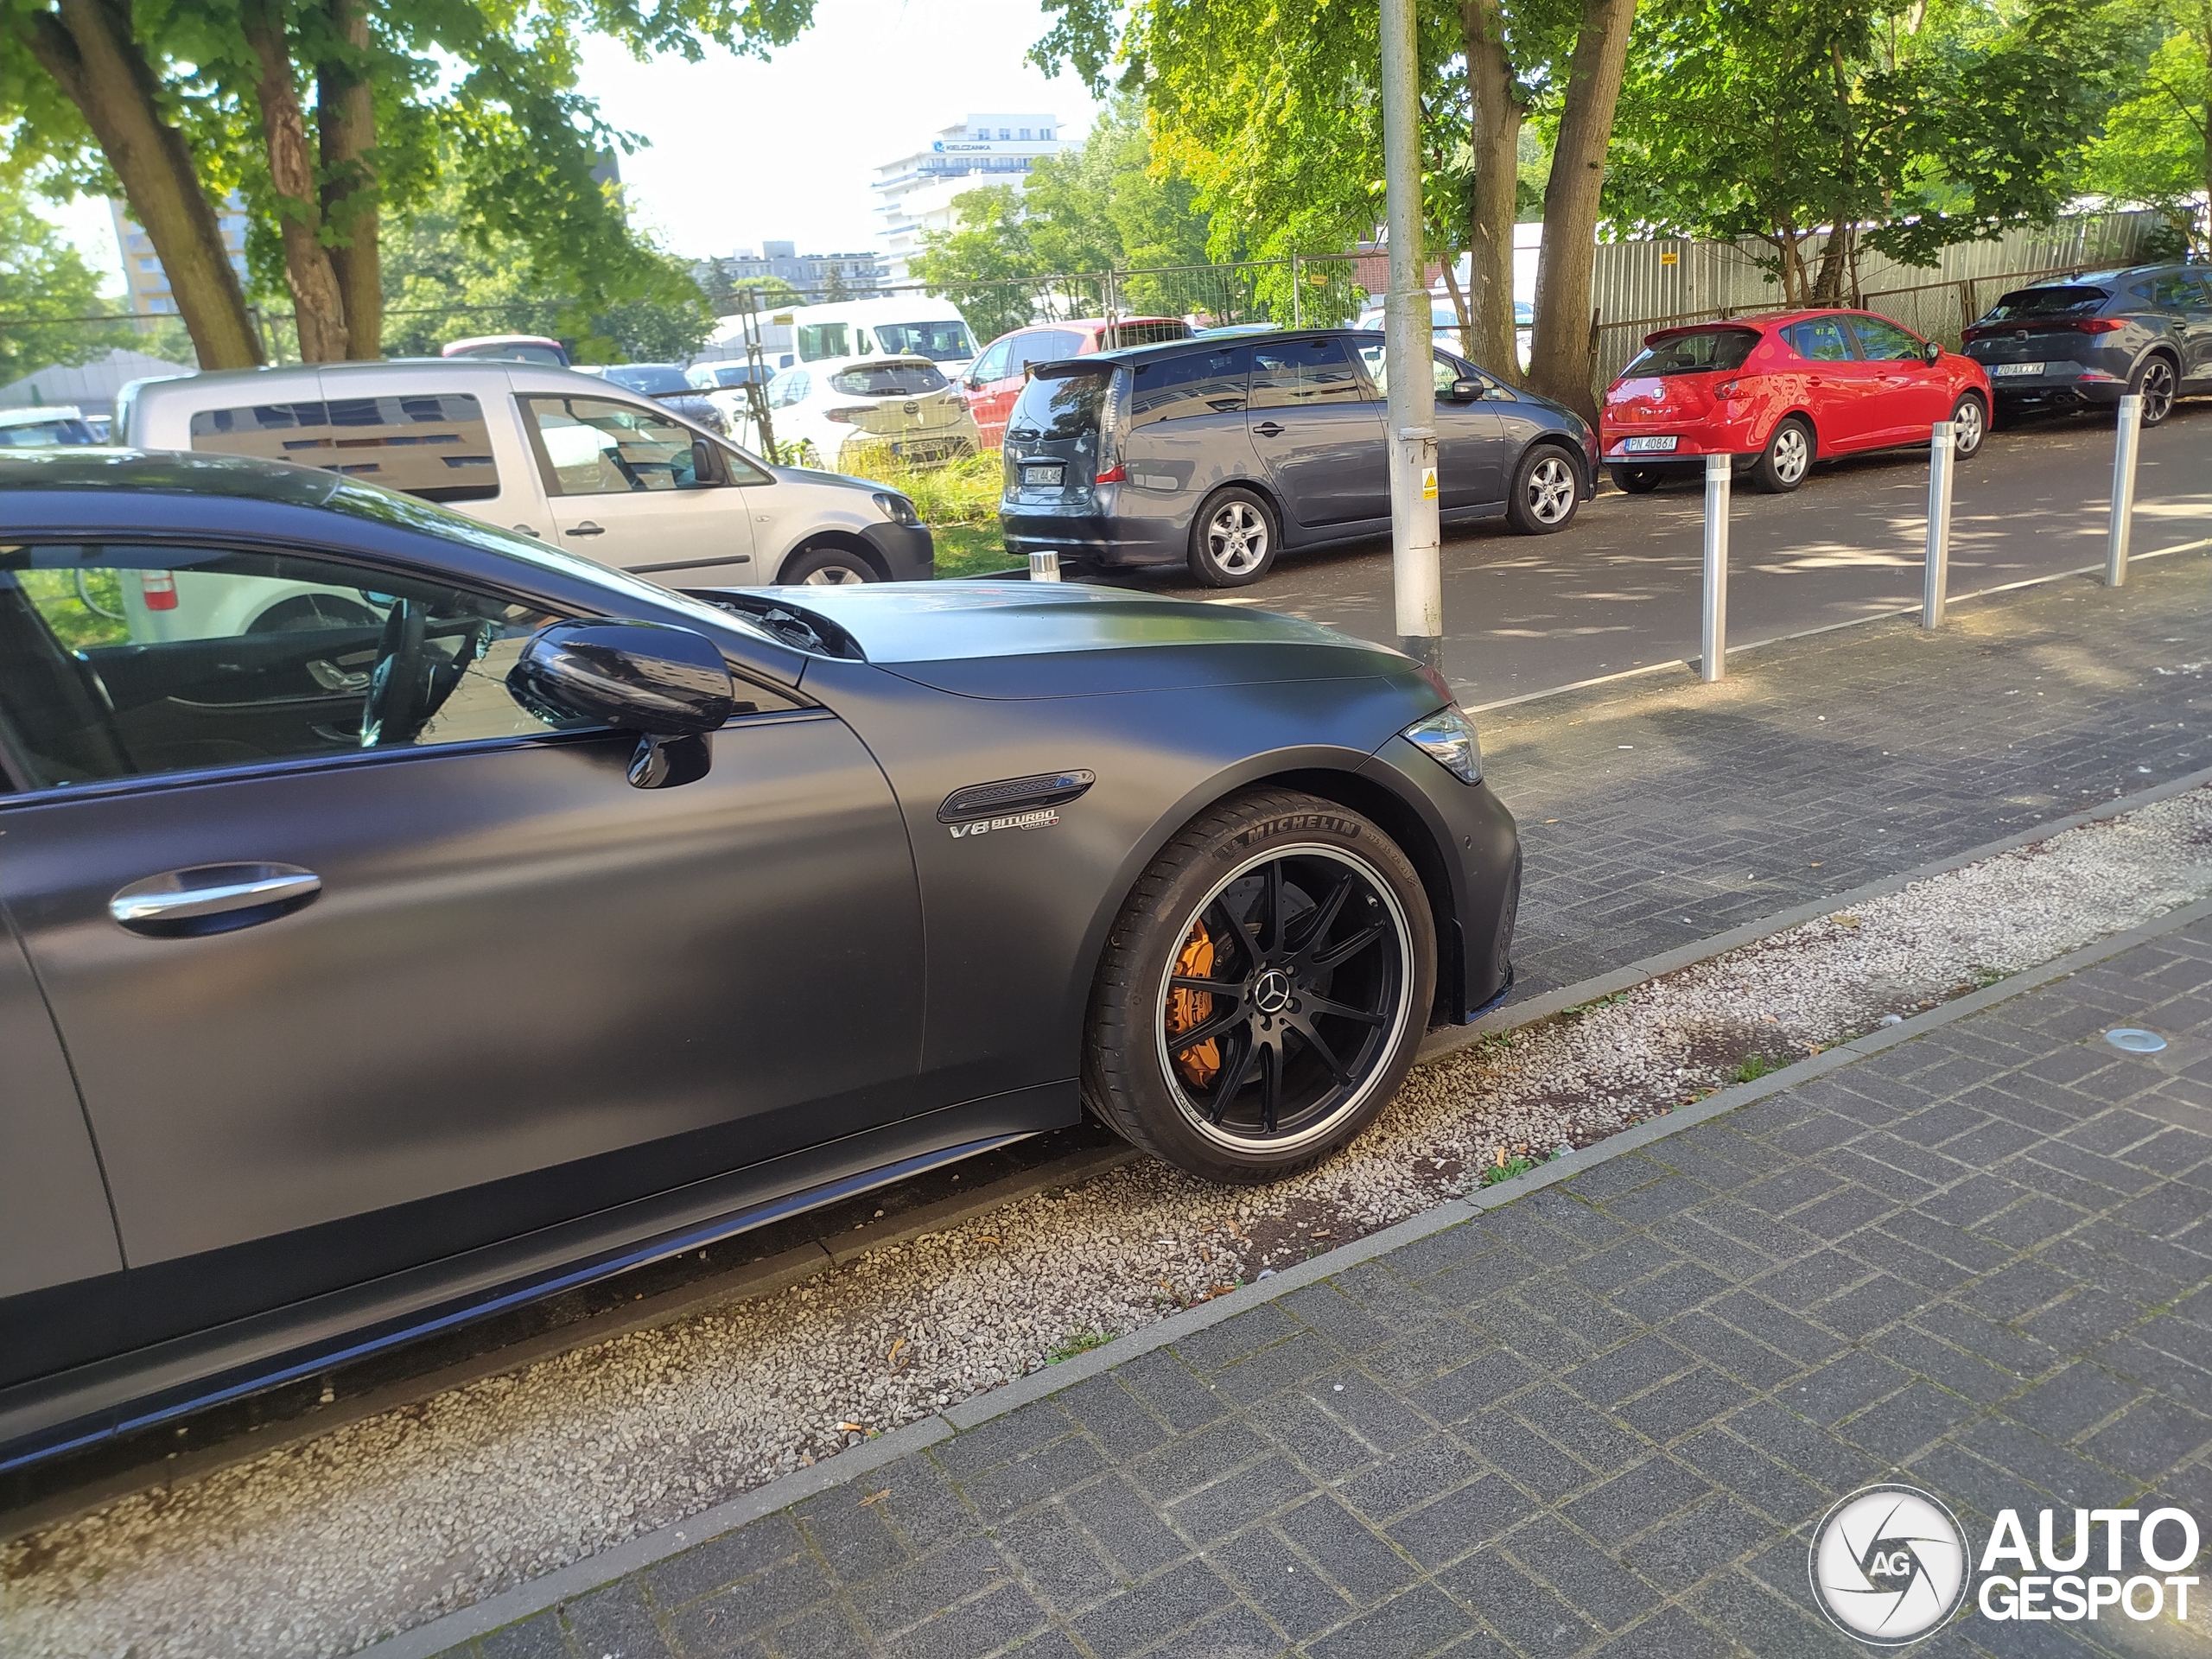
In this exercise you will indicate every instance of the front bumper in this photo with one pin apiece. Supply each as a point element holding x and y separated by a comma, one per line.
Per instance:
<point>907,551</point>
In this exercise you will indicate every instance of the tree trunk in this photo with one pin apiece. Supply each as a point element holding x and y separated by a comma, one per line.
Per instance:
<point>1493,189</point>
<point>345,122</point>
<point>319,311</point>
<point>87,47</point>
<point>1828,286</point>
<point>1560,363</point>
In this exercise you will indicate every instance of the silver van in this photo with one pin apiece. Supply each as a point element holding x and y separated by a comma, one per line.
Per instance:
<point>563,456</point>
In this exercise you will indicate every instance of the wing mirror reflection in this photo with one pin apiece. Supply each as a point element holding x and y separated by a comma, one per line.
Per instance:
<point>1931,354</point>
<point>668,685</point>
<point>1467,390</point>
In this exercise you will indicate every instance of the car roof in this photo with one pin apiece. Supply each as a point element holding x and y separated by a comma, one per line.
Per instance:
<point>1135,355</point>
<point>1768,322</point>
<point>165,472</point>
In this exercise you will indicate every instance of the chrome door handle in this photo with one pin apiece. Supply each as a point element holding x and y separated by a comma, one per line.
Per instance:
<point>212,898</point>
<point>587,528</point>
<point>1268,429</point>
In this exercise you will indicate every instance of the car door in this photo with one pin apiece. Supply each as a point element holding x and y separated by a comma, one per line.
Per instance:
<point>1184,434</point>
<point>2191,306</point>
<point>980,390</point>
<point>620,488</point>
<point>334,928</point>
<point>1908,393</point>
<point>1838,389</point>
<point>1319,431</point>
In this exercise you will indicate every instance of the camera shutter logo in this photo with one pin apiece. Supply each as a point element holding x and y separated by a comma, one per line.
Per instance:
<point>1889,1564</point>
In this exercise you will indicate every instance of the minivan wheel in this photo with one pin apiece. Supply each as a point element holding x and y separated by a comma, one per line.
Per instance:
<point>827,567</point>
<point>1782,466</point>
<point>1264,991</point>
<point>1233,540</point>
<point>1969,426</point>
<point>2154,384</point>
<point>1636,480</point>
<point>1546,492</point>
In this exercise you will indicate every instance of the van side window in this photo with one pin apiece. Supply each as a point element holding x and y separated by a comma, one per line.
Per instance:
<point>1194,383</point>
<point>1301,372</point>
<point>435,447</point>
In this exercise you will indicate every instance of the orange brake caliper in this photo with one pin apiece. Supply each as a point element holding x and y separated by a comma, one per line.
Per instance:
<point>1188,1009</point>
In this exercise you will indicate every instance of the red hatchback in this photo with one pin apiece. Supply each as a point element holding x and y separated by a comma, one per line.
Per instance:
<point>1780,390</point>
<point>1001,368</point>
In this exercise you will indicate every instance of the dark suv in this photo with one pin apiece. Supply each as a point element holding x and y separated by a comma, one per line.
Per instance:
<point>2092,339</point>
<point>1223,452</point>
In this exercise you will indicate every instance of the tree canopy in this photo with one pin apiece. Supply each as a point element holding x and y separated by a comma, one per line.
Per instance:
<point>42,276</point>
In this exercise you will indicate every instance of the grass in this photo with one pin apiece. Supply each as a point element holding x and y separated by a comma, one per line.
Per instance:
<point>959,502</point>
<point>1078,1342</point>
<point>1757,1067</point>
<point>1507,1171</point>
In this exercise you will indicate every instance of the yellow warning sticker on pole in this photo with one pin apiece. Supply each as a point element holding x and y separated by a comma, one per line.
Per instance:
<point>1428,483</point>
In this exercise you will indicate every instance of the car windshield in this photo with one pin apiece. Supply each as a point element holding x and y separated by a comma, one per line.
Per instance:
<point>887,380</point>
<point>652,379</point>
<point>1702,350</point>
<point>945,342</point>
<point>1061,406</point>
<point>2059,300</point>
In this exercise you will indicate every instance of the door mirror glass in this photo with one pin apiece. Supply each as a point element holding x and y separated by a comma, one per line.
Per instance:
<point>1465,391</point>
<point>668,685</point>
<point>1931,354</point>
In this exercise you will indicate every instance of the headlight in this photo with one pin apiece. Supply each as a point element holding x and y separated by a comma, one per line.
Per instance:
<point>898,509</point>
<point>1448,738</point>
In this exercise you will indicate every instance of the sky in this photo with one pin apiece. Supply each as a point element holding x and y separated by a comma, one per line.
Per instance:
<point>744,151</point>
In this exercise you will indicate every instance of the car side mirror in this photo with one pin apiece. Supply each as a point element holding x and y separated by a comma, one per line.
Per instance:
<point>1931,354</point>
<point>1467,391</point>
<point>706,466</point>
<point>668,685</point>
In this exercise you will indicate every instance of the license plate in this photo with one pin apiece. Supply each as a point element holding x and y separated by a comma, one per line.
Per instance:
<point>1043,478</point>
<point>1649,446</point>
<point>1997,370</point>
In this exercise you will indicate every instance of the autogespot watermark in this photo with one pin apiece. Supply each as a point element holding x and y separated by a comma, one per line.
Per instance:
<point>1890,1564</point>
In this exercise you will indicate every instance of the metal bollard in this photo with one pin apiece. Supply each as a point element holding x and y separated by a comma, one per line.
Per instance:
<point>1044,567</point>
<point>1713,665</point>
<point>1937,581</point>
<point>2123,489</point>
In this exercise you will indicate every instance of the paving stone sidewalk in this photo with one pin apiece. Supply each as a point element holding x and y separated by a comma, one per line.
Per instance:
<point>1658,811</point>
<point>1600,1420</point>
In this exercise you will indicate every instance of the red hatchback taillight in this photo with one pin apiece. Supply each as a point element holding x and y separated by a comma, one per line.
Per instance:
<point>159,590</point>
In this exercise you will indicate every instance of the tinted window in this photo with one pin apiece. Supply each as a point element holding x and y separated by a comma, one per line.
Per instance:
<point>888,380</point>
<point>1701,351</point>
<point>1298,372</point>
<point>1197,382</point>
<point>942,342</point>
<point>2177,290</point>
<point>1885,343</point>
<point>434,447</point>
<point>595,448</point>
<point>1820,341</point>
<point>1062,406</point>
<point>649,377</point>
<point>2058,299</point>
<point>119,661</point>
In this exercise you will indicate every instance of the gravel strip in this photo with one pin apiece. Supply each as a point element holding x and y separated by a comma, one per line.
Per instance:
<point>322,1548</point>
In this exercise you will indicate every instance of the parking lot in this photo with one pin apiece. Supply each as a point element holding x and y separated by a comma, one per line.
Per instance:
<point>1619,589</point>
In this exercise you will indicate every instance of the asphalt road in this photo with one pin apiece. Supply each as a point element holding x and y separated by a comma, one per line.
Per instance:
<point>1621,588</point>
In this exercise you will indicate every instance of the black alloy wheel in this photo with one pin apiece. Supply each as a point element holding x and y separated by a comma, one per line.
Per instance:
<point>1265,991</point>
<point>2154,384</point>
<point>1636,481</point>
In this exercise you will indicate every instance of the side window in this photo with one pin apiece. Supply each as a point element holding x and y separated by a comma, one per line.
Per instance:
<point>435,447</point>
<point>2177,291</point>
<point>1299,372</point>
<point>1447,370</point>
<point>1885,343</point>
<point>120,661</point>
<point>1819,340</point>
<point>1197,382</point>
<point>787,387</point>
<point>993,364</point>
<point>590,446</point>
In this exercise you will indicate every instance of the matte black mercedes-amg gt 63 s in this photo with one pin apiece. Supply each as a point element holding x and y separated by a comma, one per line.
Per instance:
<point>405,918</point>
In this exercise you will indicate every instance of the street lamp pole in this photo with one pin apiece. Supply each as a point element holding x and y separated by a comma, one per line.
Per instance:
<point>1415,568</point>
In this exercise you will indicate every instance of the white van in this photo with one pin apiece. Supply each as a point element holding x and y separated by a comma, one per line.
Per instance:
<point>575,461</point>
<point>906,325</point>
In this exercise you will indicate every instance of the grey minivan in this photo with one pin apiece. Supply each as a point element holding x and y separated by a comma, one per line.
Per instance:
<point>1221,452</point>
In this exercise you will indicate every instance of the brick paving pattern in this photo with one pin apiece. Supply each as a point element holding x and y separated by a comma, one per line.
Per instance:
<point>1735,802</point>
<point>1600,1420</point>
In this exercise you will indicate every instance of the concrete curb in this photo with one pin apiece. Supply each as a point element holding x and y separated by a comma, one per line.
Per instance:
<point>566,1583</point>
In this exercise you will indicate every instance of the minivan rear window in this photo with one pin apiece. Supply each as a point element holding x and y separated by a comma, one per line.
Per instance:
<point>1701,351</point>
<point>888,380</point>
<point>2058,299</point>
<point>436,447</point>
<point>1061,406</point>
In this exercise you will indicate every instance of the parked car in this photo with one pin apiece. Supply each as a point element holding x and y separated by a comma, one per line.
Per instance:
<point>1444,321</point>
<point>589,465</point>
<point>45,426</point>
<point>840,413</point>
<point>713,377</point>
<point>1221,454</point>
<point>669,384</point>
<point>511,348</point>
<point>587,926</point>
<point>1779,391</point>
<point>2092,339</point>
<point>995,378</point>
<point>901,324</point>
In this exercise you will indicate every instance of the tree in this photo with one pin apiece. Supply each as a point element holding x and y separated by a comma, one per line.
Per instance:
<point>41,276</point>
<point>176,104</point>
<point>979,265</point>
<point>2154,148</point>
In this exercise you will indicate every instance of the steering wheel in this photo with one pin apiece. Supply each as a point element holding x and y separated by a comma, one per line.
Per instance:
<point>393,707</point>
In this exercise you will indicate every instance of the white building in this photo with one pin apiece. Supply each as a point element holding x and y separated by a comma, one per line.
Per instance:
<point>915,193</point>
<point>147,282</point>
